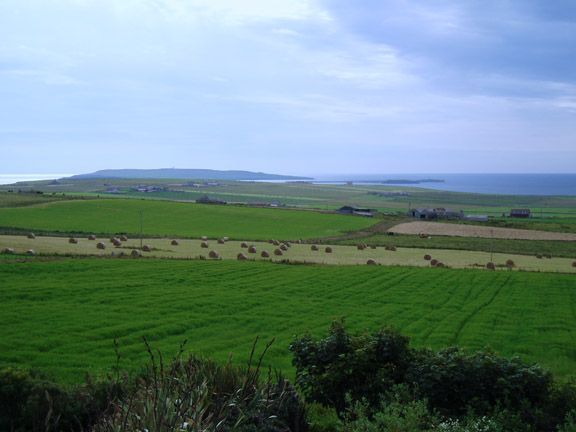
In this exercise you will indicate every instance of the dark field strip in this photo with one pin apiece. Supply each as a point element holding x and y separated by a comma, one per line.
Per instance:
<point>565,249</point>
<point>61,316</point>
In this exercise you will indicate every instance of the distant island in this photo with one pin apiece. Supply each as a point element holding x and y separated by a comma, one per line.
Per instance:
<point>385,182</point>
<point>188,174</point>
<point>394,181</point>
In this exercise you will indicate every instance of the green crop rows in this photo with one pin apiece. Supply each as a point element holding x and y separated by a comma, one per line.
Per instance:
<point>61,315</point>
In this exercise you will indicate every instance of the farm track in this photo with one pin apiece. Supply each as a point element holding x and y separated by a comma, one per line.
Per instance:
<point>440,308</point>
<point>476,311</point>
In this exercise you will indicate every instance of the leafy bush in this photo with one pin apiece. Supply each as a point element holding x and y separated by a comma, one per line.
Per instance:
<point>364,366</point>
<point>29,402</point>
<point>453,383</point>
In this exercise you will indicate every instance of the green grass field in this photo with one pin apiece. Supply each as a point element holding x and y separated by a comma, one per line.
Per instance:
<point>163,218</point>
<point>61,315</point>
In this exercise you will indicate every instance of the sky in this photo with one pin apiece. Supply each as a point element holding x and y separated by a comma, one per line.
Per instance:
<point>305,87</point>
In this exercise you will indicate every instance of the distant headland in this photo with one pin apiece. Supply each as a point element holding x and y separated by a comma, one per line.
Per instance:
<point>188,174</point>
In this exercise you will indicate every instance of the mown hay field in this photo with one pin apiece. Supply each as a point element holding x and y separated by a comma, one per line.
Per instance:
<point>178,219</point>
<point>464,230</point>
<point>61,315</point>
<point>296,253</point>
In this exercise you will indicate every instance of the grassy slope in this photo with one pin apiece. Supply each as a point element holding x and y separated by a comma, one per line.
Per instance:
<point>61,316</point>
<point>178,219</point>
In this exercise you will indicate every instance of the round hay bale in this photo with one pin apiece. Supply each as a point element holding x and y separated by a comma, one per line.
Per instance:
<point>174,242</point>
<point>123,238</point>
<point>31,252</point>
<point>278,252</point>
<point>275,242</point>
<point>241,257</point>
<point>440,264</point>
<point>288,244</point>
<point>213,254</point>
<point>265,254</point>
<point>117,243</point>
<point>204,245</point>
<point>510,263</point>
<point>370,262</point>
<point>244,245</point>
<point>146,248</point>
<point>91,237</point>
<point>284,247</point>
<point>252,249</point>
<point>72,240</point>
<point>491,266</point>
<point>114,239</point>
<point>390,248</point>
<point>135,253</point>
<point>427,257</point>
<point>573,263</point>
<point>360,246</point>
<point>100,245</point>
<point>8,251</point>
<point>203,238</point>
<point>221,241</point>
<point>548,256</point>
<point>31,235</point>
<point>539,256</point>
<point>434,262</point>
<point>373,247</point>
<point>328,249</point>
<point>314,247</point>
<point>271,241</point>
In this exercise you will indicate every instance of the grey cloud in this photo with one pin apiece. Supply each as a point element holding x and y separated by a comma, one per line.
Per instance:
<point>530,39</point>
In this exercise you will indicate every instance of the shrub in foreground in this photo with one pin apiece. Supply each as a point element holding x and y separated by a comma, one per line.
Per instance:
<point>186,394</point>
<point>201,395</point>
<point>453,383</point>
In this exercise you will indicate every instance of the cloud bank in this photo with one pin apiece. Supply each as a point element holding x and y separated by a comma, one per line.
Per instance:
<point>293,86</point>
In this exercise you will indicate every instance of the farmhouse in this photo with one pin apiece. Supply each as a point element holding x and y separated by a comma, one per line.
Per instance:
<point>435,213</point>
<point>520,213</point>
<point>348,210</point>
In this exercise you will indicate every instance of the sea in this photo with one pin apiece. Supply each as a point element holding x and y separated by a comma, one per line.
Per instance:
<point>501,184</point>
<point>504,184</point>
<point>14,178</point>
